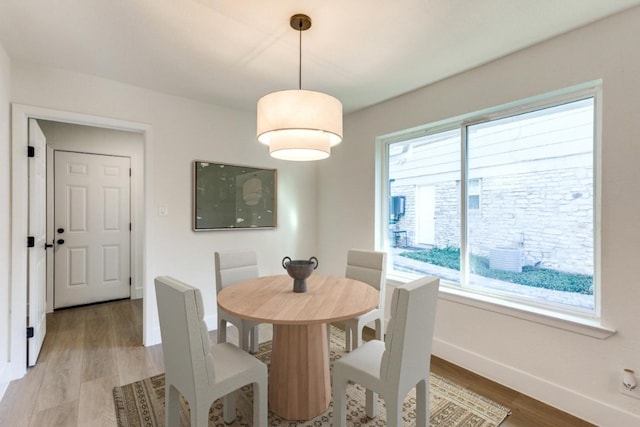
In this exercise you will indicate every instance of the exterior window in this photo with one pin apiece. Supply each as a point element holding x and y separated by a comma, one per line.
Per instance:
<point>473,195</point>
<point>526,230</point>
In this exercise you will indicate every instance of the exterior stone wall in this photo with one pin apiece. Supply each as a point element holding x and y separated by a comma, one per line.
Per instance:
<point>532,211</point>
<point>407,222</point>
<point>447,214</point>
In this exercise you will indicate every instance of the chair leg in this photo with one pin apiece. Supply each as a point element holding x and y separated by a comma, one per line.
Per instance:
<point>254,340</point>
<point>347,338</point>
<point>200,415</point>
<point>394,411</point>
<point>357,337</point>
<point>172,406</point>
<point>243,337</point>
<point>222,331</point>
<point>380,329</point>
<point>229,407</point>
<point>339,390</point>
<point>371,400</point>
<point>422,404</point>
<point>260,413</point>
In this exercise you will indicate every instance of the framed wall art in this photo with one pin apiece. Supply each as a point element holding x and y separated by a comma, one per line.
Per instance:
<point>233,197</point>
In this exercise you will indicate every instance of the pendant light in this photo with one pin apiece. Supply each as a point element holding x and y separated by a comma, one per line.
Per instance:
<point>299,125</point>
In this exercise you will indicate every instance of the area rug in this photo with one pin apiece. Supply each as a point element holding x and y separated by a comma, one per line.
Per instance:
<point>141,404</point>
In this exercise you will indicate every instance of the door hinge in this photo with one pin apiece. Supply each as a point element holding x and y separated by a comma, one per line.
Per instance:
<point>31,151</point>
<point>129,171</point>
<point>129,281</point>
<point>129,226</point>
<point>31,241</point>
<point>30,332</point>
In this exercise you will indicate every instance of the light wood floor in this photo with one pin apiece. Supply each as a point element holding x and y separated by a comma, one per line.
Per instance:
<point>89,350</point>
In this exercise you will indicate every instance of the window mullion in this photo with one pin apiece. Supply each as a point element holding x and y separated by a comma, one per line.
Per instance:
<point>464,256</point>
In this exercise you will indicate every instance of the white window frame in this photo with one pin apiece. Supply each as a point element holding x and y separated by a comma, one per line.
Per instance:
<point>586,323</point>
<point>478,194</point>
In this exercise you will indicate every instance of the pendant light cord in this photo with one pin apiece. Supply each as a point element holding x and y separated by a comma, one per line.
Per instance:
<point>300,56</point>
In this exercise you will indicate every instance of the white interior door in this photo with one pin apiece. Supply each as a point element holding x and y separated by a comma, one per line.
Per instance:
<point>37,262</point>
<point>92,228</point>
<point>425,224</point>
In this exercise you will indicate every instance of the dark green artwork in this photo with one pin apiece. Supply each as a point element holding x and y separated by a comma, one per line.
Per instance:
<point>231,197</point>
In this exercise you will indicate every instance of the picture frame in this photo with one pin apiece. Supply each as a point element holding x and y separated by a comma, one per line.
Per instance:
<point>233,197</point>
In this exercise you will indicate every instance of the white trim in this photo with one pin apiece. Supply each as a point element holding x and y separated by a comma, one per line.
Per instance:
<point>19,209</point>
<point>5,378</point>
<point>589,409</point>
<point>212,322</point>
<point>137,292</point>
<point>589,327</point>
<point>50,227</point>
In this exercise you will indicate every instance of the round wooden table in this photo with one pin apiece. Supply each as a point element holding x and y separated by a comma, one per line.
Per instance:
<point>299,378</point>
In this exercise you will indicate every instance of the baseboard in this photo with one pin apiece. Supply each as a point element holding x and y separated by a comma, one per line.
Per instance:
<point>153,337</point>
<point>5,378</point>
<point>211,322</point>
<point>567,400</point>
<point>137,292</point>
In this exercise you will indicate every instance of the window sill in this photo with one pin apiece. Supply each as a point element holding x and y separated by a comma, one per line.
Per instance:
<point>591,327</point>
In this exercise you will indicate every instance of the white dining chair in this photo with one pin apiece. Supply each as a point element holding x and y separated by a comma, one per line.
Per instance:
<point>231,267</point>
<point>201,372</point>
<point>369,267</point>
<point>393,367</point>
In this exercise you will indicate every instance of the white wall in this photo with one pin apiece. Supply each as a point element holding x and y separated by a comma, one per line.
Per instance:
<point>5,230</point>
<point>183,131</point>
<point>576,373</point>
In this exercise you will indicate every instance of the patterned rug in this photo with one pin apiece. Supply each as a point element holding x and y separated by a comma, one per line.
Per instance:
<point>142,403</point>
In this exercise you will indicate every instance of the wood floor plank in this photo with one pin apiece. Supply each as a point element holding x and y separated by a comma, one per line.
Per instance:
<point>99,350</point>
<point>64,415</point>
<point>127,324</point>
<point>133,364</point>
<point>16,408</point>
<point>96,407</point>
<point>61,382</point>
<point>49,340</point>
<point>532,412</point>
<point>156,358</point>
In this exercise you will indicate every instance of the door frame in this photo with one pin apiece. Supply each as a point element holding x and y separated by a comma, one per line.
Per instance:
<point>20,115</point>
<point>36,300</point>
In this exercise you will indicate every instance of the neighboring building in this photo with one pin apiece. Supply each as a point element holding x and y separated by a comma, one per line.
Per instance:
<point>527,189</point>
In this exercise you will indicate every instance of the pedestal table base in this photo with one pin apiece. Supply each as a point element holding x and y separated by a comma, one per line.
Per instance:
<point>299,381</point>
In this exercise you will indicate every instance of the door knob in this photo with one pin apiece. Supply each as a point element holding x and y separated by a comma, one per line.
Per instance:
<point>60,230</point>
<point>60,241</point>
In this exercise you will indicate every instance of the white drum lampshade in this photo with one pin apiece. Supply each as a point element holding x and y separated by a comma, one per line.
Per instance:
<point>299,124</point>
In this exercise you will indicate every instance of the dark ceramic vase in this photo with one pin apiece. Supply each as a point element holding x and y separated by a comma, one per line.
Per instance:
<point>299,270</point>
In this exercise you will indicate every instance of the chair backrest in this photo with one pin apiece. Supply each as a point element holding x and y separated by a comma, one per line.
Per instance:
<point>369,267</point>
<point>409,335</point>
<point>234,266</point>
<point>185,339</point>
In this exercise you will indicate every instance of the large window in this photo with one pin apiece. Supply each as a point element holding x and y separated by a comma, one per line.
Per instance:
<point>501,206</point>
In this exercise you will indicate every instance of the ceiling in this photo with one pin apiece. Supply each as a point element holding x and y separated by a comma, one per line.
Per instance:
<point>232,52</point>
